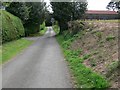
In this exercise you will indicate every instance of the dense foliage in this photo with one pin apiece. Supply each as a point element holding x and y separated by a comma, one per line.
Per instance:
<point>31,13</point>
<point>67,11</point>
<point>48,17</point>
<point>19,9</point>
<point>75,27</point>
<point>12,27</point>
<point>114,5</point>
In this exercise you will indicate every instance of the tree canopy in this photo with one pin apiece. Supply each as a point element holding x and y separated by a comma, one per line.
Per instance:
<point>31,13</point>
<point>19,9</point>
<point>67,11</point>
<point>114,5</point>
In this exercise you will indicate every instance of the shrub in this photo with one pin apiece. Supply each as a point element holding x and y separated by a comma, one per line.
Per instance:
<point>75,27</point>
<point>31,29</point>
<point>42,26</point>
<point>12,27</point>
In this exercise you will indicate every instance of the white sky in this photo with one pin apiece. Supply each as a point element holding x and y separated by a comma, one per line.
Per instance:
<point>94,4</point>
<point>97,4</point>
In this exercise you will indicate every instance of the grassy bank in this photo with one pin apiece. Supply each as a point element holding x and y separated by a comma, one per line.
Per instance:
<point>11,49</point>
<point>84,76</point>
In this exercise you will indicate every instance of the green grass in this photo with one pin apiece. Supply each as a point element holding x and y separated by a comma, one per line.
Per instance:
<point>11,49</point>
<point>84,77</point>
<point>42,32</point>
<point>56,28</point>
<point>43,28</point>
<point>110,37</point>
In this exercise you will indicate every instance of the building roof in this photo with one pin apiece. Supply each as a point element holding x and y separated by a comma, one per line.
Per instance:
<point>100,12</point>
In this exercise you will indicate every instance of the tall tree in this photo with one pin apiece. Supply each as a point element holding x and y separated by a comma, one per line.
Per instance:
<point>19,9</point>
<point>78,9</point>
<point>66,11</point>
<point>37,12</point>
<point>61,14</point>
<point>31,13</point>
<point>114,5</point>
<point>48,18</point>
<point>36,17</point>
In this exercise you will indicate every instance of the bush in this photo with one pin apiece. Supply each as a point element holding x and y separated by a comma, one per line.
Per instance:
<point>56,28</point>
<point>42,26</point>
<point>75,27</point>
<point>12,27</point>
<point>31,29</point>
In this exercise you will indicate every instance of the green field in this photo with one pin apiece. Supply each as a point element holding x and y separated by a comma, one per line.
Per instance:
<point>11,49</point>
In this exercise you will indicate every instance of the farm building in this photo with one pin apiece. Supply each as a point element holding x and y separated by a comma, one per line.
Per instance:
<point>95,14</point>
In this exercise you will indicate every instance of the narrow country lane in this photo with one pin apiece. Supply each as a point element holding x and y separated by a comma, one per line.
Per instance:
<point>39,66</point>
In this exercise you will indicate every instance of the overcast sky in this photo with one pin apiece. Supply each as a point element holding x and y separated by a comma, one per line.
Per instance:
<point>97,4</point>
<point>94,4</point>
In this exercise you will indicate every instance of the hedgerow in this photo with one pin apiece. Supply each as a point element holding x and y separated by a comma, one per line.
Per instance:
<point>12,27</point>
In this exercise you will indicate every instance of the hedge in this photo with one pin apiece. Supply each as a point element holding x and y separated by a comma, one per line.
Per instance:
<point>12,27</point>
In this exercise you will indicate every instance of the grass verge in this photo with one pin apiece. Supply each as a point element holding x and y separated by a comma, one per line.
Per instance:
<point>84,77</point>
<point>11,49</point>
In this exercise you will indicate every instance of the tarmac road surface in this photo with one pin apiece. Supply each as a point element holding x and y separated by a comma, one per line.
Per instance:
<point>41,65</point>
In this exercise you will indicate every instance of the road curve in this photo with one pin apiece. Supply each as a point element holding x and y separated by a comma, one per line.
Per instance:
<point>39,66</point>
